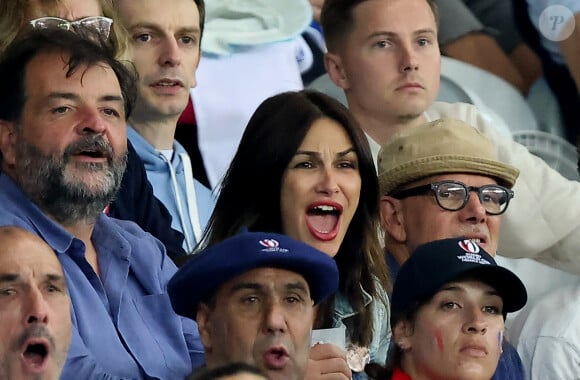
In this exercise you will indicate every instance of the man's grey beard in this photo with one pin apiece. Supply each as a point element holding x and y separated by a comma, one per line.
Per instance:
<point>42,178</point>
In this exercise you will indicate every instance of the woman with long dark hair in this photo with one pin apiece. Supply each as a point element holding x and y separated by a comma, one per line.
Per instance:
<point>304,168</point>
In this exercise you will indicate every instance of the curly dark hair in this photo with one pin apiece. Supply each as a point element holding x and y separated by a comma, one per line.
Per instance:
<point>81,52</point>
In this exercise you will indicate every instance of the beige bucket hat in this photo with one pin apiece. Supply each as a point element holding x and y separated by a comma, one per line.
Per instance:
<point>439,147</point>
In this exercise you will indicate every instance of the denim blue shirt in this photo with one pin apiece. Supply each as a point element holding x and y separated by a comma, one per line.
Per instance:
<point>510,365</point>
<point>123,323</point>
<point>381,327</point>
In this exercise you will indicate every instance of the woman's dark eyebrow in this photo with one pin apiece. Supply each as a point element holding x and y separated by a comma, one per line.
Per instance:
<point>317,154</point>
<point>345,152</point>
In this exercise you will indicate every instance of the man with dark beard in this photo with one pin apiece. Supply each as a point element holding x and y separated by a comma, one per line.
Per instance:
<point>64,102</point>
<point>135,200</point>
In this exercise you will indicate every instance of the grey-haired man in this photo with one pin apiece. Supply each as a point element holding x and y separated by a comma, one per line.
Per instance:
<point>443,180</point>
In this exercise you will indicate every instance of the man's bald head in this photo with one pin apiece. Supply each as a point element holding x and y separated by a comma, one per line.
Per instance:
<point>34,307</point>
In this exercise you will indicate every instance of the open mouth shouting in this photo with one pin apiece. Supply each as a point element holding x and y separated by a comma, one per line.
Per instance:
<point>276,358</point>
<point>35,354</point>
<point>323,219</point>
<point>93,150</point>
<point>90,156</point>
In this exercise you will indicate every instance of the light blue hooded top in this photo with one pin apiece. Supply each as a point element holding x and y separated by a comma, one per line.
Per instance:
<point>190,208</point>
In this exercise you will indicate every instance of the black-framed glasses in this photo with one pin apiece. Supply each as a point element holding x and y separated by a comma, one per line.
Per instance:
<point>454,195</point>
<point>98,24</point>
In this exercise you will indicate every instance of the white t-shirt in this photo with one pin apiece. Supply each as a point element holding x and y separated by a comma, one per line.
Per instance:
<point>549,344</point>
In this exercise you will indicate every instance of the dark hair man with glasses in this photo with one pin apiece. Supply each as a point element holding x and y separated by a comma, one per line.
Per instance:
<point>443,180</point>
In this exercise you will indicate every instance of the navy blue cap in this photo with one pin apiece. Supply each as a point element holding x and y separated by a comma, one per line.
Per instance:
<point>439,262</point>
<point>206,271</point>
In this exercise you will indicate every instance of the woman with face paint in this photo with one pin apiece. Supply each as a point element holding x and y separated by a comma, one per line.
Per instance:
<point>448,323</point>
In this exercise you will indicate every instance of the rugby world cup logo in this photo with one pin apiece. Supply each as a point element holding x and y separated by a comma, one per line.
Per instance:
<point>471,253</point>
<point>469,246</point>
<point>271,245</point>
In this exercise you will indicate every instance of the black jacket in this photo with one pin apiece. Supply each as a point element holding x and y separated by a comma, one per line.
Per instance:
<point>135,201</point>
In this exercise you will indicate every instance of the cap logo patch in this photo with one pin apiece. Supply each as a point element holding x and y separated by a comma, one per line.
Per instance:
<point>271,245</point>
<point>469,246</point>
<point>473,258</point>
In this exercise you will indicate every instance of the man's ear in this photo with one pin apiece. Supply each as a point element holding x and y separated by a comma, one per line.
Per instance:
<point>335,70</point>
<point>8,142</point>
<point>392,219</point>
<point>402,334</point>
<point>203,319</point>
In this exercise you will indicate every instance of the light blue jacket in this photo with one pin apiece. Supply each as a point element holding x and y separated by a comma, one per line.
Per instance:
<point>381,326</point>
<point>170,188</point>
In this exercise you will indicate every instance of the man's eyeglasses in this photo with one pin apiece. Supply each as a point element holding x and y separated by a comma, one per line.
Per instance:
<point>454,195</point>
<point>98,24</point>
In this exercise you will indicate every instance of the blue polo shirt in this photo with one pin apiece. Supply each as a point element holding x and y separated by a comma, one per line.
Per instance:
<point>123,324</point>
<point>510,365</point>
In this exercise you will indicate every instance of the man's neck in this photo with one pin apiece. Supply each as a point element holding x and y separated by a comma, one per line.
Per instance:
<point>399,251</point>
<point>81,230</point>
<point>382,129</point>
<point>84,232</point>
<point>159,133</point>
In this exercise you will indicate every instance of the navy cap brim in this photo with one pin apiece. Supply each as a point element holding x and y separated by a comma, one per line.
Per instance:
<point>434,264</point>
<point>510,288</point>
<point>205,272</point>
